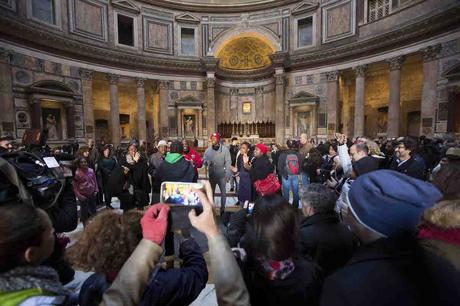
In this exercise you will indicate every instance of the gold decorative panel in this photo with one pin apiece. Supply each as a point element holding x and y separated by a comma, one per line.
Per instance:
<point>245,53</point>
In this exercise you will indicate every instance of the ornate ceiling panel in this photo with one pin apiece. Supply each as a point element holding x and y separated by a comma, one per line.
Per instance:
<point>245,53</point>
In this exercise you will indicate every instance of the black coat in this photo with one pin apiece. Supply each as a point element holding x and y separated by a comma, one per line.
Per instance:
<point>392,272</point>
<point>180,171</point>
<point>411,167</point>
<point>261,168</point>
<point>327,241</point>
<point>301,287</point>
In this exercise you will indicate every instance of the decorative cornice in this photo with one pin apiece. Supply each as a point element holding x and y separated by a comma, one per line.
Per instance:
<point>332,76</point>
<point>224,8</point>
<point>279,59</point>
<point>112,78</point>
<point>140,82</point>
<point>163,85</point>
<point>395,63</point>
<point>85,74</point>
<point>5,55</point>
<point>431,53</point>
<point>126,5</point>
<point>34,37</point>
<point>360,71</point>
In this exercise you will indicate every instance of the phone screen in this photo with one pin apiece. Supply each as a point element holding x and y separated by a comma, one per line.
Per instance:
<point>179,193</point>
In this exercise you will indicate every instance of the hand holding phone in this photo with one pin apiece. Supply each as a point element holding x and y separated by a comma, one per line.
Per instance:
<point>154,223</point>
<point>205,222</point>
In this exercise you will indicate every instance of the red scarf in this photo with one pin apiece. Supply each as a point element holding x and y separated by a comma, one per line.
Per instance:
<point>431,231</point>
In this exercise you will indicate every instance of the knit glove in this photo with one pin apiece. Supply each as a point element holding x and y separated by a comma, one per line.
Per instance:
<point>155,222</point>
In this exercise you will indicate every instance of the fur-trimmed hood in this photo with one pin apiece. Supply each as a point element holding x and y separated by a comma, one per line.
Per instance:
<point>445,214</point>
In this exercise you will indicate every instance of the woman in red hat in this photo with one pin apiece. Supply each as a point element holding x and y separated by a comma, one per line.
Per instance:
<point>260,168</point>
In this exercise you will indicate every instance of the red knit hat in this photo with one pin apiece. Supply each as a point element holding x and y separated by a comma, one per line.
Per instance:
<point>263,148</point>
<point>215,134</point>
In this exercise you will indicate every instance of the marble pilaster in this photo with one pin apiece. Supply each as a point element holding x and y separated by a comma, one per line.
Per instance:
<point>332,102</point>
<point>394,100</point>
<point>164,125</point>
<point>7,115</point>
<point>211,124</point>
<point>429,90</point>
<point>141,116</point>
<point>360,72</point>
<point>87,95</point>
<point>280,117</point>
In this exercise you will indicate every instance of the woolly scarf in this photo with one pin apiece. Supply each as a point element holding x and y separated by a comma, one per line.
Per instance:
<point>28,277</point>
<point>276,270</point>
<point>431,231</point>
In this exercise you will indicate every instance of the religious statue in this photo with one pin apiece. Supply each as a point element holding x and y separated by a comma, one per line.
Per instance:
<point>189,127</point>
<point>51,126</point>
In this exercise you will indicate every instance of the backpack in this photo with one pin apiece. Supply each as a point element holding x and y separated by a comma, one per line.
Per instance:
<point>35,182</point>
<point>292,164</point>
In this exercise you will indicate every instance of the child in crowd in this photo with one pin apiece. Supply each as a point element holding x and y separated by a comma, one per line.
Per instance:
<point>85,189</point>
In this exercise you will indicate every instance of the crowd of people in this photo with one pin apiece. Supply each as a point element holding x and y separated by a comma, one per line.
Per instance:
<point>334,222</point>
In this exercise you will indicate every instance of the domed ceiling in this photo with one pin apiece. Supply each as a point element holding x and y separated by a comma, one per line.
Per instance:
<point>245,53</point>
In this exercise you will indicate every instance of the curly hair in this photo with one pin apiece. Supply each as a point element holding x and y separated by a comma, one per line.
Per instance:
<point>107,242</point>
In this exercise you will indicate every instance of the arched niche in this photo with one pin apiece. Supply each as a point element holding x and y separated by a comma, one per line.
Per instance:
<point>52,106</point>
<point>238,32</point>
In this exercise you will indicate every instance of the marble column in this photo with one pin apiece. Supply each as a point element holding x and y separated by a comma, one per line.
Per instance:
<point>429,89</point>
<point>7,114</point>
<point>234,103</point>
<point>200,122</point>
<point>332,102</point>
<point>141,117</point>
<point>259,113</point>
<point>114,120</point>
<point>394,101</point>
<point>88,108</point>
<point>70,117</point>
<point>173,121</point>
<point>360,72</point>
<point>164,125</point>
<point>280,116</point>
<point>35,113</point>
<point>291,122</point>
<point>210,84</point>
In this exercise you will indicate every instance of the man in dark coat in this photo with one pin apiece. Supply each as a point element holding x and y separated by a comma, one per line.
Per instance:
<point>389,268</point>
<point>322,236</point>
<point>405,162</point>
<point>174,169</point>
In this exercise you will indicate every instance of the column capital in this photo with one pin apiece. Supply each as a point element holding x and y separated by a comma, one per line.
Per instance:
<point>332,76</point>
<point>34,101</point>
<point>431,53</point>
<point>5,55</point>
<point>259,90</point>
<point>85,74</point>
<point>112,78</point>
<point>233,91</point>
<point>395,63</point>
<point>360,71</point>
<point>210,82</point>
<point>280,79</point>
<point>140,82</point>
<point>163,84</point>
